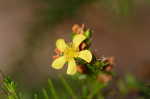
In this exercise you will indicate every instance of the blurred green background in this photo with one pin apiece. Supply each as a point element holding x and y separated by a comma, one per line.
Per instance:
<point>29,29</point>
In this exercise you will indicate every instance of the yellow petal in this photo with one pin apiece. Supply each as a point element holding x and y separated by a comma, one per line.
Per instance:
<point>61,45</point>
<point>59,62</point>
<point>78,39</point>
<point>71,70</point>
<point>85,55</point>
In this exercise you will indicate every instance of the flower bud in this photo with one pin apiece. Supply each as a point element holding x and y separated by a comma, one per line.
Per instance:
<point>56,56</point>
<point>88,33</point>
<point>104,78</point>
<point>75,28</point>
<point>110,60</point>
<point>82,46</point>
<point>81,69</point>
<point>57,51</point>
<point>108,68</point>
<point>78,29</point>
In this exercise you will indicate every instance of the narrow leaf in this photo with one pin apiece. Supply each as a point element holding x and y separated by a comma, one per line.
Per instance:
<point>52,89</point>
<point>68,88</point>
<point>45,94</point>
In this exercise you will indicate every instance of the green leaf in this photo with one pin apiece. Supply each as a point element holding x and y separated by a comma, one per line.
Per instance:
<point>68,88</point>
<point>52,89</point>
<point>11,88</point>
<point>35,96</point>
<point>45,94</point>
<point>122,87</point>
<point>97,86</point>
<point>84,92</point>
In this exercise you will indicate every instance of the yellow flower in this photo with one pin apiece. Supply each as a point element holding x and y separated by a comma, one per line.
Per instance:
<point>71,51</point>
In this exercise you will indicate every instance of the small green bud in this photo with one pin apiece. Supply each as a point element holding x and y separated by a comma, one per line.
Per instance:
<point>88,33</point>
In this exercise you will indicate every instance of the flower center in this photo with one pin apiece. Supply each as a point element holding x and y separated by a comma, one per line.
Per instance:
<point>71,52</point>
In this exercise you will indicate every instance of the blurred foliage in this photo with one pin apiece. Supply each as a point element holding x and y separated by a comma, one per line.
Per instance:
<point>58,10</point>
<point>131,85</point>
<point>120,7</point>
<point>10,89</point>
<point>72,88</point>
<point>51,91</point>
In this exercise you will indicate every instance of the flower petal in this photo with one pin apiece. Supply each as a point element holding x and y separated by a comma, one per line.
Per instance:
<point>78,39</point>
<point>71,70</point>
<point>59,62</point>
<point>61,45</point>
<point>85,55</point>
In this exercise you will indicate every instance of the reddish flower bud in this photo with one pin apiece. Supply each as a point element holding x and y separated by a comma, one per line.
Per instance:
<point>82,46</point>
<point>104,78</point>
<point>55,57</point>
<point>110,60</point>
<point>78,29</point>
<point>81,69</point>
<point>108,68</point>
<point>75,28</point>
<point>57,51</point>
